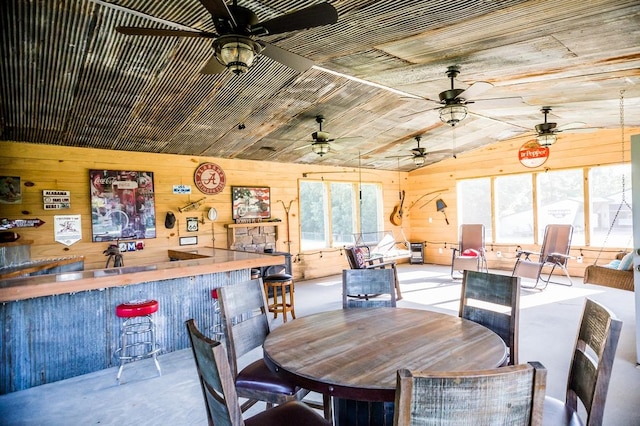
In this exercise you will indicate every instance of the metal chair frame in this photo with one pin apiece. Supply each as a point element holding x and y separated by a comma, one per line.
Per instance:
<point>554,252</point>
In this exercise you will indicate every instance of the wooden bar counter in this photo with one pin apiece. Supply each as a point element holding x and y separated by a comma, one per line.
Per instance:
<point>54,327</point>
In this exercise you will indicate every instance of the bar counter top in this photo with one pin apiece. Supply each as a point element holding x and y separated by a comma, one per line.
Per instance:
<point>202,260</point>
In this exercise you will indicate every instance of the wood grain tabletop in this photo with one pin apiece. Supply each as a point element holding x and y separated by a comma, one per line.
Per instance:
<point>355,353</point>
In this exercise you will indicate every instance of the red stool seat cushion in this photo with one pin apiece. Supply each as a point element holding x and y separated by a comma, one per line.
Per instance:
<point>136,309</point>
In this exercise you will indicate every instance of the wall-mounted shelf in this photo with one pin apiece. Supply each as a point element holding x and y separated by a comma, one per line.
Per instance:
<point>251,225</point>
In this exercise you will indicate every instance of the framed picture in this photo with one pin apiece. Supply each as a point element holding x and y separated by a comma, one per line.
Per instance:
<point>192,224</point>
<point>122,205</point>
<point>250,202</point>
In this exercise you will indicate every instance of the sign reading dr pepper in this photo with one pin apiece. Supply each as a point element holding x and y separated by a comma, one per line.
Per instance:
<point>531,154</point>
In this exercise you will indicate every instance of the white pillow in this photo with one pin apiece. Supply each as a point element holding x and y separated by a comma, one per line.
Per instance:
<point>626,264</point>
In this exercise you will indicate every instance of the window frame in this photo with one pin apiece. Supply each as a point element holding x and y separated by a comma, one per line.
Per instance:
<point>356,212</point>
<point>535,176</point>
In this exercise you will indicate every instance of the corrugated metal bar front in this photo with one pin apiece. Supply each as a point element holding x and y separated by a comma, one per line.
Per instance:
<point>46,339</point>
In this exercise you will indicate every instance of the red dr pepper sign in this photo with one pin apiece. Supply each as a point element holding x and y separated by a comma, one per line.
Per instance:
<point>531,154</point>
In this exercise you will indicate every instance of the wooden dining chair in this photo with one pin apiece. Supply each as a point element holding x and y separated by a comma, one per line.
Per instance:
<point>590,369</point>
<point>512,395</point>
<point>493,301</point>
<point>243,308</point>
<point>358,259</point>
<point>220,396</point>
<point>367,288</point>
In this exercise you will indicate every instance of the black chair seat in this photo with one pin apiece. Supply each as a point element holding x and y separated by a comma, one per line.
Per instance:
<point>278,277</point>
<point>292,413</point>
<point>257,376</point>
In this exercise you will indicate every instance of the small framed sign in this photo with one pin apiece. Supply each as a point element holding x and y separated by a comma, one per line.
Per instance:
<point>192,224</point>
<point>188,241</point>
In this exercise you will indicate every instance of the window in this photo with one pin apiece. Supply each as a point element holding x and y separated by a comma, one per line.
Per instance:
<point>560,197</point>
<point>475,196</point>
<point>331,212</point>
<point>514,209</point>
<point>610,207</point>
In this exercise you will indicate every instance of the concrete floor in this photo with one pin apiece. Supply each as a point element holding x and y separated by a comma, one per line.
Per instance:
<point>548,325</point>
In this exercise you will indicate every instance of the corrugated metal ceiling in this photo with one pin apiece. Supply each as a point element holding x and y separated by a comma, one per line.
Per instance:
<point>68,78</point>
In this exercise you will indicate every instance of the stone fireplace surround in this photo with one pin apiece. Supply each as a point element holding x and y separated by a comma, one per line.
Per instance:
<point>252,237</point>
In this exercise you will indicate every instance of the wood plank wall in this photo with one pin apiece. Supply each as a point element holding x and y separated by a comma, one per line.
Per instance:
<point>64,168</point>
<point>571,150</point>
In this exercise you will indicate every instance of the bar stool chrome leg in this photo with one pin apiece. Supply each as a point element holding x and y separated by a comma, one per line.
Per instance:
<point>137,334</point>
<point>217,332</point>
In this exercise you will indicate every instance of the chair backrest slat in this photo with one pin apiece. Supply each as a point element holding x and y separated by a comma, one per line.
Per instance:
<point>493,301</point>
<point>500,323</point>
<point>511,395</point>
<point>244,318</point>
<point>363,282</point>
<point>593,357</point>
<point>216,380</point>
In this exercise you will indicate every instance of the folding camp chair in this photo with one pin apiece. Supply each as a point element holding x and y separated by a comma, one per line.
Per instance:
<point>470,254</point>
<point>554,253</point>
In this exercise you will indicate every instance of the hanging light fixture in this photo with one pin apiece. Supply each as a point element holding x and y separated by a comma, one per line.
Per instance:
<point>452,114</point>
<point>321,148</point>
<point>546,131</point>
<point>418,160</point>
<point>547,139</point>
<point>236,52</point>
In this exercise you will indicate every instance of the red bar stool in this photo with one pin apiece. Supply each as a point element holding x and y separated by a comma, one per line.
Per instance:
<point>217,332</point>
<point>137,333</point>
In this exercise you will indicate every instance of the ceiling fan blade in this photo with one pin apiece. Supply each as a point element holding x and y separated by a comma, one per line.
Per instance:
<point>212,66</point>
<point>439,152</point>
<point>223,20</point>
<point>577,127</point>
<point>290,59</point>
<point>309,17</point>
<point>302,147</point>
<point>140,31</point>
<point>580,130</point>
<point>512,102</point>
<point>476,89</point>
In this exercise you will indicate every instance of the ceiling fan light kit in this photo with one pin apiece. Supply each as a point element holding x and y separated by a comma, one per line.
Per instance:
<point>236,53</point>
<point>321,148</point>
<point>547,139</point>
<point>418,160</point>
<point>452,114</point>
<point>546,132</point>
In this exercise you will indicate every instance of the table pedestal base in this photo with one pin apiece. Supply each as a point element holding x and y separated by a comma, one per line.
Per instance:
<point>362,413</point>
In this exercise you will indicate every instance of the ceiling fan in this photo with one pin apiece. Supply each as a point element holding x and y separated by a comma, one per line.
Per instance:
<point>419,154</point>
<point>547,132</point>
<point>320,144</point>
<point>235,43</point>
<point>453,102</point>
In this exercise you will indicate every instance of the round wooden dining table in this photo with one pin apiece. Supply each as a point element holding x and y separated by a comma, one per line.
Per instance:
<point>354,354</point>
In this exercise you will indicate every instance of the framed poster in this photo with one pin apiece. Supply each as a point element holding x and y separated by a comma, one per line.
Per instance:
<point>251,202</point>
<point>122,205</point>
